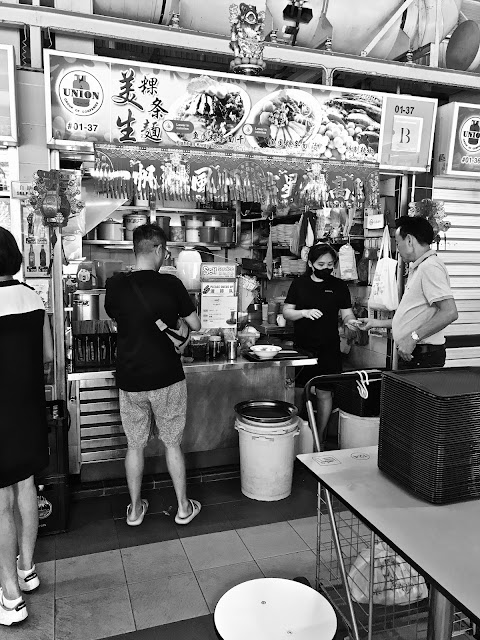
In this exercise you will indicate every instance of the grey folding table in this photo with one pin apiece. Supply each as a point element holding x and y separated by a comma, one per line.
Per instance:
<point>441,542</point>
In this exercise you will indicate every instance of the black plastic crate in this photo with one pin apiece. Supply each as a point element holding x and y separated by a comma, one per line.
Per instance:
<point>53,503</point>
<point>58,425</point>
<point>348,399</point>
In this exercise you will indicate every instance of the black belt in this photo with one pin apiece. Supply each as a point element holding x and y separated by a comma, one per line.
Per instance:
<point>428,348</point>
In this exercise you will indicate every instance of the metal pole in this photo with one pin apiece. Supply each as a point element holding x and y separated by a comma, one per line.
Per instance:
<point>313,423</point>
<point>371,584</point>
<point>58,306</point>
<point>319,533</point>
<point>343,571</point>
<point>440,617</point>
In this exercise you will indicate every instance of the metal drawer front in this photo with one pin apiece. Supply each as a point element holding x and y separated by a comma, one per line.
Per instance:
<point>99,407</point>
<point>99,394</point>
<point>102,430</point>
<point>104,454</point>
<point>107,442</point>
<point>100,418</point>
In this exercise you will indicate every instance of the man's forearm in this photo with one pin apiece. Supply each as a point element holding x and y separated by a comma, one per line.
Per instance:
<point>439,321</point>
<point>382,324</point>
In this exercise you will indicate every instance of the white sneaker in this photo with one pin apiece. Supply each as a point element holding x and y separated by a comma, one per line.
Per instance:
<point>9,616</point>
<point>28,581</point>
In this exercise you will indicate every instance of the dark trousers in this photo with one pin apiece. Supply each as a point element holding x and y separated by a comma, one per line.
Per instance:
<point>425,358</point>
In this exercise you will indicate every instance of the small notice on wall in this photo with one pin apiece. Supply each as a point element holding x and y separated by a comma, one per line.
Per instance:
<point>219,312</point>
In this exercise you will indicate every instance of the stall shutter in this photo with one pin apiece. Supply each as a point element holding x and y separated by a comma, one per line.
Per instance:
<point>461,254</point>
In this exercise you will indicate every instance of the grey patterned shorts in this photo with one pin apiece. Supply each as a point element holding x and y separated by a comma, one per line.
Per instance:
<point>168,408</point>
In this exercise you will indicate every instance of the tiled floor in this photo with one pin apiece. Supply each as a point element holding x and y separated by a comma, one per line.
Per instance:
<point>161,581</point>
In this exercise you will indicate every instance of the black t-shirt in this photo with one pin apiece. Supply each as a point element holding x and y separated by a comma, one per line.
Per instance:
<point>146,357</point>
<point>329,296</point>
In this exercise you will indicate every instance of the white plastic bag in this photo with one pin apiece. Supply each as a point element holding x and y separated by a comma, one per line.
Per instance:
<point>346,263</point>
<point>394,581</point>
<point>384,294</point>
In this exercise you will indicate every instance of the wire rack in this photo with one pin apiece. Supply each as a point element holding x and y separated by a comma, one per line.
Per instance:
<point>396,606</point>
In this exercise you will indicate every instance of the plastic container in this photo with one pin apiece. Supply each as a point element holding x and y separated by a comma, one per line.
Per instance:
<point>225,235</point>
<point>132,221</point>
<point>304,443</point>
<point>192,235</point>
<point>164,223</point>
<point>213,222</point>
<point>356,431</point>
<point>177,234</point>
<point>189,263</point>
<point>266,458</point>
<point>199,346</point>
<point>207,234</point>
<point>248,338</point>
<point>349,400</point>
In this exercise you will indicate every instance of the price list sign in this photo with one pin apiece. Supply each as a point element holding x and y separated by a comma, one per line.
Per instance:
<point>219,301</point>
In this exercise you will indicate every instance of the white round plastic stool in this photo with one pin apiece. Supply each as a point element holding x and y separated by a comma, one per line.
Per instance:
<point>274,609</point>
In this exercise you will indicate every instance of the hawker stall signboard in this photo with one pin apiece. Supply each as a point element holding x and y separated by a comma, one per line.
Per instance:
<point>8,114</point>
<point>457,140</point>
<point>103,100</point>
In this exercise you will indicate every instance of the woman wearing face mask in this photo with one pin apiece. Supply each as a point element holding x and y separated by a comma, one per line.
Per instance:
<point>312,303</point>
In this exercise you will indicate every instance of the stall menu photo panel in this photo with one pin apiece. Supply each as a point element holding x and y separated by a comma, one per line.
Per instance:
<point>103,100</point>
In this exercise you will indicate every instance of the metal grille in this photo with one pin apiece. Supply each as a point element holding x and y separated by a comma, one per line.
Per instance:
<point>396,612</point>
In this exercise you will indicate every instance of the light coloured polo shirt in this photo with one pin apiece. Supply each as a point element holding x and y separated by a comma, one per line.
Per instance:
<point>428,282</point>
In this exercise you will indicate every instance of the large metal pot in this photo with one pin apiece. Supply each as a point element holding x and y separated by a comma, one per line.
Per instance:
<point>86,305</point>
<point>110,230</point>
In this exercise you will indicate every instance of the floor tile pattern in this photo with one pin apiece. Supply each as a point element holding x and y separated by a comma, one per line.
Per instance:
<point>104,579</point>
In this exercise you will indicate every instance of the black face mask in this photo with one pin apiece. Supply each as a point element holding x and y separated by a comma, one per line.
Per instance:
<point>322,274</point>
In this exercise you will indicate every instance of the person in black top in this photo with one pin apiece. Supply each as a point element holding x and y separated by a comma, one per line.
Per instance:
<point>25,346</point>
<point>150,375</point>
<point>313,303</point>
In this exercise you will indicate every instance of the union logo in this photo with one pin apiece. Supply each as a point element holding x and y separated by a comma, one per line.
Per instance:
<point>80,92</point>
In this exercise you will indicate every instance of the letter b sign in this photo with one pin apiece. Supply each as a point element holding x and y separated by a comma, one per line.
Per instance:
<point>407,134</point>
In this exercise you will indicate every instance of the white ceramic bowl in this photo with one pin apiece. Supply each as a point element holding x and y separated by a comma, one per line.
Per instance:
<point>265,351</point>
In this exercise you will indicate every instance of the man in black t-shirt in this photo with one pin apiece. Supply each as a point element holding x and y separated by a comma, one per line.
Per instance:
<point>150,375</point>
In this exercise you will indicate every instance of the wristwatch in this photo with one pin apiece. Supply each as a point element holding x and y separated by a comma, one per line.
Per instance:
<point>415,336</point>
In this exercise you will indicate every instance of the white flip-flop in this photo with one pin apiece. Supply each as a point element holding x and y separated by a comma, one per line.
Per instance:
<point>196,508</point>
<point>139,520</point>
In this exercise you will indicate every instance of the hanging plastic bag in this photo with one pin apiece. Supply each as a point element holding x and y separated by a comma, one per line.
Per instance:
<point>384,294</point>
<point>394,581</point>
<point>346,263</point>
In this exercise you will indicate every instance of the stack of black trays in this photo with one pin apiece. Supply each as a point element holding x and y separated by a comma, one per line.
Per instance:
<point>429,438</point>
<point>52,482</point>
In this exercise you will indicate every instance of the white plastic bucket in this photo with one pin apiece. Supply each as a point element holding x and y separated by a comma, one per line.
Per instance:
<point>357,431</point>
<point>304,443</point>
<point>266,458</point>
<point>274,608</point>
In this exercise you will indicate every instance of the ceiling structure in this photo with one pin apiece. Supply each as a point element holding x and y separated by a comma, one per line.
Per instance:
<point>128,39</point>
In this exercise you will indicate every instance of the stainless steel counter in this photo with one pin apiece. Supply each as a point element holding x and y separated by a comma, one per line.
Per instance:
<point>97,444</point>
<point>220,364</point>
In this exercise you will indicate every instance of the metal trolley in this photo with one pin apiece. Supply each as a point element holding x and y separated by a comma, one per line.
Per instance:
<point>391,608</point>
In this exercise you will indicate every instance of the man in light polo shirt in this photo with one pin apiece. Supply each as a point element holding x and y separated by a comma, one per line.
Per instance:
<point>427,305</point>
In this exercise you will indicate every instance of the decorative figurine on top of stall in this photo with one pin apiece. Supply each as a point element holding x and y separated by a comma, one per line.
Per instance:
<point>247,40</point>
